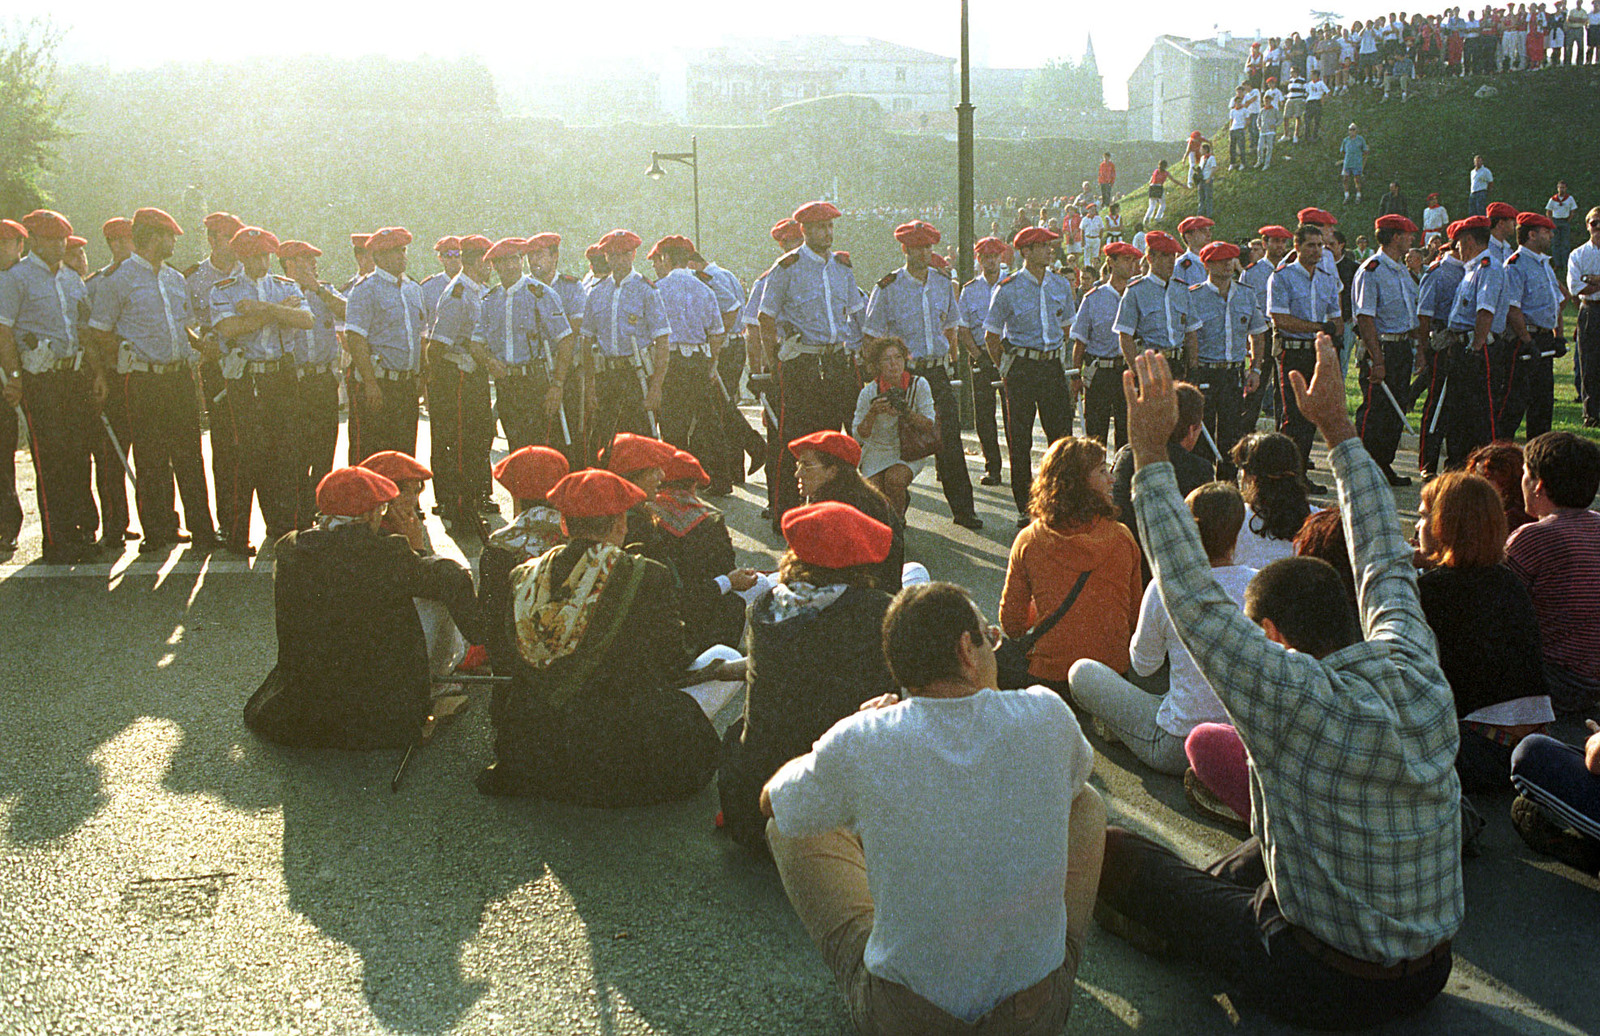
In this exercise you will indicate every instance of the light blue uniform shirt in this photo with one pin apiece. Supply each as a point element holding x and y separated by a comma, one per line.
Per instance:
<point>730,293</point>
<point>571,292</point>
<point>813,293</point>
<point>854,333</point>
<point>433,288</point>
<point>975,297</point>
<point>624,319</point>
<point>1095,324</point>
<point>320,344</point>
<point>1189,270</point>
<point>387,312</point>
<point>1223,327</point>
<point>1312,296</point>
<point>1531,287</point>
<point>455,314</point>
<point>38,301</point>
<point>1255,277</point>
<point>1152,312</point>
<point>523,324</point>
<point>1500,250</point>
<point>752,305</point>
<point>1437,292</point>
<point>1030,314</point>
<point>1483,287</point>
<point>147,308</point>
<point>918,312</point>
<point>693,313</point>
<point>265,343</point>
<point>1383,290</point>
<point>200,282</point>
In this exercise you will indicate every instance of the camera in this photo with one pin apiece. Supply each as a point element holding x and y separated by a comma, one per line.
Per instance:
<point>896,398</point>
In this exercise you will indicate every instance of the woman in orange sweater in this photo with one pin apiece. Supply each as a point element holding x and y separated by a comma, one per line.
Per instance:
<point>1074,530</point>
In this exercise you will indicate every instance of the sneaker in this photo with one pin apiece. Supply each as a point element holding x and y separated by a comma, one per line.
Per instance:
<point>1206,803</point>
<point>1347,197</point>
<point>1358,196</point>
<point>1548,838</point>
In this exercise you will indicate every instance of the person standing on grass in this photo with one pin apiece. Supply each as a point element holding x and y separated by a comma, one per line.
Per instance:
<point>1238,129</point>
<point>1354,149</point>
<point>1479,180</point>
<point>1108,179</point>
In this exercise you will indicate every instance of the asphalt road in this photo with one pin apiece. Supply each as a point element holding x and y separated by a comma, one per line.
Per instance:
<point>162,871</point>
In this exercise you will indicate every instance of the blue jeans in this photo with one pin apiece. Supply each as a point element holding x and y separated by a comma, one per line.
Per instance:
<point>1553,775</point>
<point>1205,198</point>
<point>1561,246</point>
<point>1478,203</point>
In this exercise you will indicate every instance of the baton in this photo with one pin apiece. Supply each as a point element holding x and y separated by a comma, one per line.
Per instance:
<point>1211,443</point>
<point>22,418</point>
<point>116,444</point>
<point>1396,404</point>
<point>1438,407</point>
<point>429,725</point>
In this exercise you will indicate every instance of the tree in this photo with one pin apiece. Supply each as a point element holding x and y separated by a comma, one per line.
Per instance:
<point>31,110</point>
<point>1062,86</point>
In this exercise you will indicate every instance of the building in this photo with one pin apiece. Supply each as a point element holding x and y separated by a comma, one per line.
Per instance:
<point>739,83</point>
<point>1183,85</point>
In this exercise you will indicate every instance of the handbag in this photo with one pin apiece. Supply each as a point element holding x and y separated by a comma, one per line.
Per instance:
<point>1011,656</point>
<point>917,442</point>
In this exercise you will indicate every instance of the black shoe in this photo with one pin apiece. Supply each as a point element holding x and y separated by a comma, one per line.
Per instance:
<point>155,545</point>
<point>1394,478</point>
<point>719,489</point>
<point>65,555</point>
<point>766,512</point>
<point>239,547</point>
<point>757,462</point>
<point>489,509</point>
<point>204,542</point>
<point>1548,838</point>
<point>8,543</point>
<point>990,480</point>
<point>130,535</point>
<point>1023,521</point>
<point>182,537</point>
<point>968,521</point>
<point>109,544</point>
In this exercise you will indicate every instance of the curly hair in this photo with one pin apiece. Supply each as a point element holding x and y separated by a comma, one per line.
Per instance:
<point>1061,495</point>
<point>1274,483</point>
<point>792,570</point>
<point>846,486</point>
<point>873,351</point>
<point>1501,463</point>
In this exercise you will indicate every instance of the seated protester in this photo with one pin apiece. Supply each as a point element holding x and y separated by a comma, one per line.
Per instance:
<point>942,851</point>
<point>592,716</point>
<point>1558,558</point>
<point>693,542</point>
<point>1322,536</point>
<point>1074,530</point>
<point>404,515</point>
<point>892,395</point>
<point>815,653</point>
<point>1192,469</point>
<point>1484,621</point>
<point>641,460</point>
<point>528,474</point>
<point>1272,479</point>
<point>828,469</point>
<point>1557,808</point>
<point>1352,751</point>
<point>352,666</point>
<point>1501,464</point>
<point>1154,726</point>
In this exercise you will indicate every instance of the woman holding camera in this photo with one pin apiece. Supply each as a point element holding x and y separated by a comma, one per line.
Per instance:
<point>895,395</point>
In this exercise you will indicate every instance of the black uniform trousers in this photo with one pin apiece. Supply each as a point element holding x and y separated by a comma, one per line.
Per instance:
<point>619,405</point>
<point>317,429</point>
<point>458,423</point>
<point>1103,401</point>
<point>1430,383</point>
<point>815,393</point>
<point>1376,419</point>
<point>212,386</point>
<point>256,419</point>
<point>951,460</point>
<point>984,378</point>
<point>1033,386</point>
<point>110,478</point>
<point>519,400</point>
<point>1530,387</point>
<point>164,422</point>
<point>10,505</point>
<point>1468,414</point>
<point>1302,357</point>
<point>393,426</point>
<point>59,408</point>
<point>1586,362</point>
<point>1508,385</point>
<point>1223,387</point>
<point>738,437</point>
<point>691,417</point>
<point>1255,400</point>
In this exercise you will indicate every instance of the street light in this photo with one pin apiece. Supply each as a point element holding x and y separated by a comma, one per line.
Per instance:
<point>690,158</point>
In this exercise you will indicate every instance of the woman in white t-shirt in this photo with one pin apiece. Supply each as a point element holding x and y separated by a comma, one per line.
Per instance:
<point>1271,477</point>
<point>895,395</point>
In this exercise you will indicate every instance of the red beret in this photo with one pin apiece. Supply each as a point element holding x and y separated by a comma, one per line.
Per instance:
<point>1219,252</point>
<point>672,244</point>
<point>989,246</point>
<point>548,241</point>
<point>1475,223</point>
<point>11,230</point>
<point>916,234</point>
<point>1317,217</point>
<point>224,223</point>
<point>74,241</point>
<point>816,212</point>
<point>1035,236</point>
<point>1454,230</point>
<point>115,227</point>
<point>297,249</point>
<point>349,492</point>
<point>1195,223</point>
<point>844,256</point>
<point>787,230</point>
<point>47,224</point>
<point>479,243</point>
<point>620,241</point>
<point>1274,230</point>
<point>938,262</point>
<point>505,248</point>
<point>1122,248</point>
<point>631,452</point>
<point>835,444</point>
<point>1395,221</point>
<point>592,493</point>
<point>594,251</point>
<point>448,243</point>
<point>1499,210</point>
<point>397,467</point>
<point>1535,219</point>
<point>1163,242</point>
<point>361,241</point>
<point>683,467</point>
<point>835,535</point>
<point>531,472</point>
<point>158,219</point>
<point>1434,196</point>
<point>250,241</point>
<point>387,238</point>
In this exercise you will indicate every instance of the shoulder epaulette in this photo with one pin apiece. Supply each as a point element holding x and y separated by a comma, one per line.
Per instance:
<point>537,289</point>
<point>282,279</point>
<point>1370,264</point>
<point>946,274</point>
<point>1007,279</point>
<point>841,258</point>
<point>705,277</point>
<point>887,279</point>
<point>1485,261</point>
<point>458,291</point>
<point>789,259</point>
<point>969,284</point>
<point>1512,258</point>
<point>189,272</point>
<point>224,282</point>
<point>1186,263</point>
<point>1292,257</point>
<point>568,278</point>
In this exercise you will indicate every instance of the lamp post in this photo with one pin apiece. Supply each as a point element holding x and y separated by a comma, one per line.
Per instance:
<point>964,200</point>
<point>690,158</point>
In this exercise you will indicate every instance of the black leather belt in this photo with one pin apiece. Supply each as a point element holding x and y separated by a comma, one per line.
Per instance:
<point>306,370</point>
<point>1364,969</point>
<point>1208,365</point>
<point>615,363</point>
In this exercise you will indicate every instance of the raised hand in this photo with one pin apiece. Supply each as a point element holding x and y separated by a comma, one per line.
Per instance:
<point>1323,402</point>
<point>1152,407</point>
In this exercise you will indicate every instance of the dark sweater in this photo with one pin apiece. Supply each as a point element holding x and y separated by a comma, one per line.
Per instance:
<point>1488,634</point>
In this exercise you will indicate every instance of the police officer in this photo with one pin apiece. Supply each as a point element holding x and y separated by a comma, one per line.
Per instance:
<point>521,336</point>
<point>695,340</point>
<point>1383,298</point>
<point>315,353</point>
<point>813,290</point>
<point>917,304</point>
<point>383,328</point>
<point>220,263</point>
<point>1502,231</point>
<point>111,485</point>
<point>1435,295</point>
<point>1276,240</point>
<point>544,263</point>
<point>448,249</point>
<point>1150,314</point>
<point>983,374</point>
<point>1190,269</point>
<point>57,385</point>
<point>788,235</point>
<point>595,256</point>
<point>739,438</point>
<point>1225,347</point>
<point>459,420</point>
<point>625,326</point>
<point>141,314</point>
<point>363,261</point>
<point>1477,318</point>
<point>1026,332</point>
<point>251,314</point>
<point>1097,348</point>
<point>1302,299</point>
<point>13,235</point>
<point>1533,322</point>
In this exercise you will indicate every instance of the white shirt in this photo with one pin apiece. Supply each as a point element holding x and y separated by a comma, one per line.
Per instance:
<point>1316,90</point>
<point>1256,549</point>
<point>1435,217</point>
<point>1481,179</point>
<point>962,806</point>
<point>1239,117</point>
<point>1189,700</point>
<point>1583,261</point>
<point>1561,208</point>
<point>1208,167</point>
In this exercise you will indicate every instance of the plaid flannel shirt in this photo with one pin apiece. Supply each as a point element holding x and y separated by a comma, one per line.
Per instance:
<point>1352,776</point>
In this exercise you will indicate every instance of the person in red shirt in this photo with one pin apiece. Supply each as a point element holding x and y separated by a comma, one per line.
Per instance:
<point>1107,179</point>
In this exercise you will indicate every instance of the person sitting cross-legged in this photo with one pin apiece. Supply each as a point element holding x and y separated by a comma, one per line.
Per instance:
<point>1339,912</point>
<point>943,850</point>
<point>528,474</point>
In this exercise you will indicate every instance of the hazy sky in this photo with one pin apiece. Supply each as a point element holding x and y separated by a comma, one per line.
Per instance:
<point>1005,33</point>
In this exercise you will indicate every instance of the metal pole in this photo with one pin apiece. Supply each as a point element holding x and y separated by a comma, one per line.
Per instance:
<point>694,149</point>
<point>964,187</point>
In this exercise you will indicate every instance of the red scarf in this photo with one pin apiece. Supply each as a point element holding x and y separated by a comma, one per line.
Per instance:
<point>905,383</point>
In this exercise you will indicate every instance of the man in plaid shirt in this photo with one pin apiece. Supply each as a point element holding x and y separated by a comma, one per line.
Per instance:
<point>1339,912</point>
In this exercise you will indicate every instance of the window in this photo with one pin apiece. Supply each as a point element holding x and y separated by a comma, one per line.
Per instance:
<point>899,75</point>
